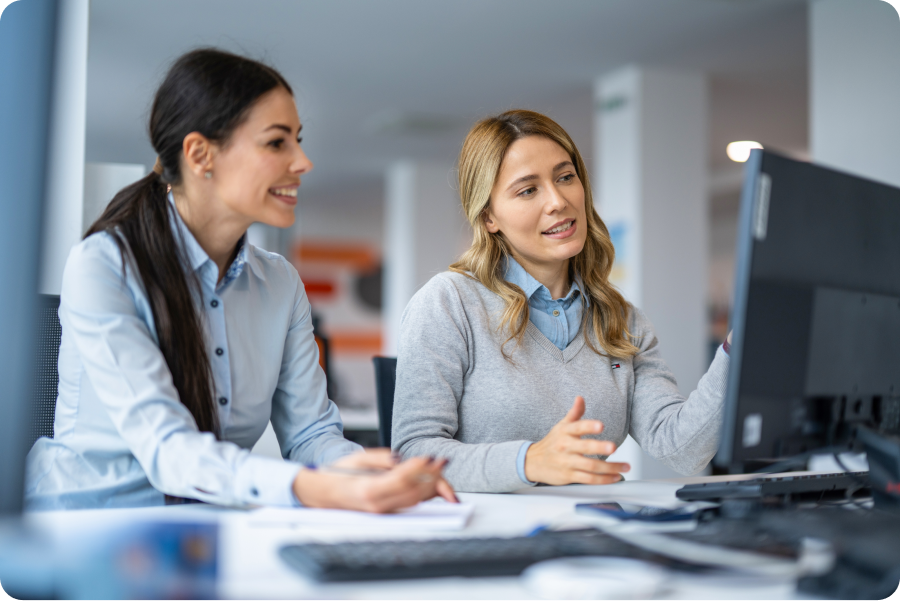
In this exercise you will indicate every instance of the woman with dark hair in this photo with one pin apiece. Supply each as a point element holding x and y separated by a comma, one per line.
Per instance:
<point>493,353</point>
<point>181,341</point>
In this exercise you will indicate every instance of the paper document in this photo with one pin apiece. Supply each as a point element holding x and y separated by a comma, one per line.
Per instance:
<point>430,515</point>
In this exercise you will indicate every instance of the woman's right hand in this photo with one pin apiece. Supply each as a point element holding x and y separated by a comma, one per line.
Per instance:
<point>403,485</point>
<point>560,457</point>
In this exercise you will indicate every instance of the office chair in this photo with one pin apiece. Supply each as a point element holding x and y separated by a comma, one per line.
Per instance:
<point>324,355</point>
<point>385,380</point>
<point>46,376</point>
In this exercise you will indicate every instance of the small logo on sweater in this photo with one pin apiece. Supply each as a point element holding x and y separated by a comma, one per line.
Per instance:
<point>616,365</point>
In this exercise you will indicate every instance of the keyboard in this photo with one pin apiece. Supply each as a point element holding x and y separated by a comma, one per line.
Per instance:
<point>385,560</point>
<point>814,487</point>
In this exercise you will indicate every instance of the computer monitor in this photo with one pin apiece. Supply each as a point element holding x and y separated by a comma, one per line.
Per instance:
<point>27,34</point>
<point>815,359</point>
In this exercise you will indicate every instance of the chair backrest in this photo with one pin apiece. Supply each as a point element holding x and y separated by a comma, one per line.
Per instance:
<point>46,376</point>
<point>385,380</point>
<point>324,355</point>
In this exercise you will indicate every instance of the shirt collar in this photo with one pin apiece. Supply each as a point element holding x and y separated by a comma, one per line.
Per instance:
<point>197,257</point>
<point>516,274</point>
<point>578,284</point>
<point>237,266</point>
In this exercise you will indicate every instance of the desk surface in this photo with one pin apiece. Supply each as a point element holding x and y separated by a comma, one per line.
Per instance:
<point>251,569</point>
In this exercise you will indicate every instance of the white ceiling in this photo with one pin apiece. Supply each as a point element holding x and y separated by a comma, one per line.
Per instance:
<point>359,67</point>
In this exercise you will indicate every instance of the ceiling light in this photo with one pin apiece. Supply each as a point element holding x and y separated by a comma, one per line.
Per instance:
<point>739,152</point>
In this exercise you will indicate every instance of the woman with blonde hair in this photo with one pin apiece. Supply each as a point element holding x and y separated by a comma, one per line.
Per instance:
<point>493,351</point>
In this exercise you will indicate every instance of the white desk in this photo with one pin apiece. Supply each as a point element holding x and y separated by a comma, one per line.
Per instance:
<point>251,569</point>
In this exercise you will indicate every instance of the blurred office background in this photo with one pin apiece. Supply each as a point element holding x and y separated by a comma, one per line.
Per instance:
<point>652,91</point>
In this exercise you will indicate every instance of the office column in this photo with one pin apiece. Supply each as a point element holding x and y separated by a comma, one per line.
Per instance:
<point>424,231</point>
<point>854,87</point>
<point>64,209</point>
<point>650,182</point>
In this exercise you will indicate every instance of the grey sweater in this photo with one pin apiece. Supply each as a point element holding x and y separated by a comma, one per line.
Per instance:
<point>457,397</point>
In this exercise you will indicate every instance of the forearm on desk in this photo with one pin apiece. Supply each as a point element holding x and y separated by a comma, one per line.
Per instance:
<point>483,467</point>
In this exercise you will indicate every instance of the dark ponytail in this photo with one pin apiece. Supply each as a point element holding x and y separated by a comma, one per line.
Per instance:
<point>210,92</point>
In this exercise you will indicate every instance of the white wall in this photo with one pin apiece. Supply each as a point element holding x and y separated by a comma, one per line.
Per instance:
<point>342,212</point>
<point>65,187</point>
<point>574,112</point>
<point>424,232</point>
<point>101,182</point>
<point>855,87</point>
<point>350,213</point>
<point>675,218</point>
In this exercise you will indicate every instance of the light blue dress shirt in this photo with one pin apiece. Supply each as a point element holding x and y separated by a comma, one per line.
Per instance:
<point>122,437</point>
<point>559,320</point>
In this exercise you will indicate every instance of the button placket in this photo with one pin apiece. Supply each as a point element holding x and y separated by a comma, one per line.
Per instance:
<point>220,362</point>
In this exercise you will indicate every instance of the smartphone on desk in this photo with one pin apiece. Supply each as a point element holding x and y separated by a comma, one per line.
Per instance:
<point>641,513</point>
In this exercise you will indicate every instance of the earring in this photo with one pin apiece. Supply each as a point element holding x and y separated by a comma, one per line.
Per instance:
<point>208,175</point>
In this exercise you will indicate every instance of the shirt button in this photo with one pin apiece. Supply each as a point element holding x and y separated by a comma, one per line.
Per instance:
<point>220,352</point>
<point>223,400</point>
<point>555,312</point>
<point>214,303</point>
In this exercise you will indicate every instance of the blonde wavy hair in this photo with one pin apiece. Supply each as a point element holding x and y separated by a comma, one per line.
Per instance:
<point>479,164</point>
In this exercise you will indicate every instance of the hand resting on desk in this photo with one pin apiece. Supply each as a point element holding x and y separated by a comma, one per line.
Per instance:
<point>560,457</point>
<point>389,486</point>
